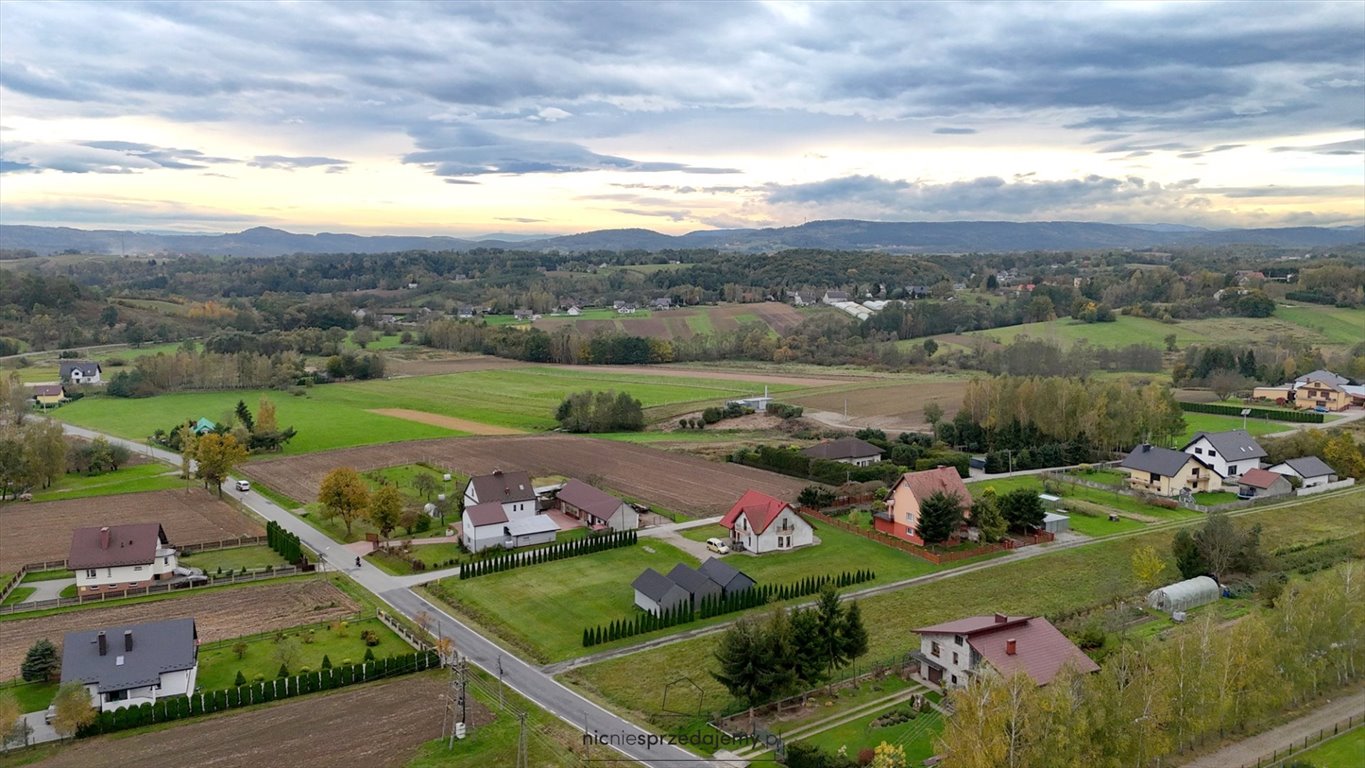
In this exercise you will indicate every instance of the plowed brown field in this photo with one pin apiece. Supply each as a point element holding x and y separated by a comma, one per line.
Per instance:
<point>42,531</point>
<point>673,481</point>
<point>380,724</point>
<point>219,615</point>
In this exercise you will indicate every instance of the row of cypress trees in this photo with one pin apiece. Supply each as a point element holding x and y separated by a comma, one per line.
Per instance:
<point>506,562</point>
<point>283,542</point>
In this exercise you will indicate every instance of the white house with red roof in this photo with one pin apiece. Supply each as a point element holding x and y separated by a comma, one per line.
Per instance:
<point>901,518</point>
<point>952,653</point>
<point>759,523</point>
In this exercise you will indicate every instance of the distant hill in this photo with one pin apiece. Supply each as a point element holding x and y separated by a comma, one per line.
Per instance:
<point>846,234</point>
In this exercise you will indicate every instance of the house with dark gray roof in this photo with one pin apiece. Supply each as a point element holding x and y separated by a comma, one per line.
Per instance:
<point>131,665</point>
<point>80,372</point>
<point>120,557</point>
<point>1311,470</point>
<point>656,593</point>
<point>845,450</point>
<point>1164,472</point>
<point>732,581</point>
<point>1230,453</point>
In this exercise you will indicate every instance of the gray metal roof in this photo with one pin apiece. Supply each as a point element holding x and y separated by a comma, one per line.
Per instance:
<point>85,367</point>
<point>695,582</point>
<point>159,646</point>
<point>843,448</point>
<point>1322,375</point>
<point>1232,445</point>
<point>726,575</point>
<point>1310,466</point>
<point>1154,458</point>
<point>656,587</point>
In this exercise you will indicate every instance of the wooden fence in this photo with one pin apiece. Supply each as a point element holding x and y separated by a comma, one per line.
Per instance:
<point>205,546</point>
<point>854,675</point>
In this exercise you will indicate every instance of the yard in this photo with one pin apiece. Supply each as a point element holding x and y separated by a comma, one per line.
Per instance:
<point>252,558</point>
<point>1060,582</point>
<point>148,476</point>
<point>916,736</point>
<point>305,647</point>
<point>1210,422</point>
<point>33,697</point>
<point>837,551</point>
<point>1344,751</point>
<point>338,415</point>
<point>1118,502</point>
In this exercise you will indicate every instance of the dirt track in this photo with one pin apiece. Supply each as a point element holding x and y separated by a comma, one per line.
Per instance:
<point>449,422</point>
<point>42,531</point>
<point>219,615</point>
<point>673,481</point>
<point>380,724</point>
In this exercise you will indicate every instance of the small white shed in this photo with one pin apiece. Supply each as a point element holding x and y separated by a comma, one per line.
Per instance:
<point>1054,523</point>
<point>1184,595</point>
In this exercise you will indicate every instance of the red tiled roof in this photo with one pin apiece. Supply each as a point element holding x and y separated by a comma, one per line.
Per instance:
<point>1040,650</point>
<point>1259,478</point>
<point>115,545</point>
<point>760,509</point>
<point>925,484</point>
<point>46,390</point>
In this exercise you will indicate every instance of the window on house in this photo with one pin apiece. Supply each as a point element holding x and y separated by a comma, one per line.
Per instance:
<point>957,639</point>
<point>933,650</point>
<point>955,658</point>
<point>1199,451</point>
<point>90,573</point>
<point>137,568</point>
<point>954,678</point>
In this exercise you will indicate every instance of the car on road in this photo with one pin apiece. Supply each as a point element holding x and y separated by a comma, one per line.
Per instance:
<point>243,485</point>
<point>718,546</point>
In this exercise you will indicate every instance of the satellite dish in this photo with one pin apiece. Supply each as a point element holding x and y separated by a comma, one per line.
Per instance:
<point>1246,411</point>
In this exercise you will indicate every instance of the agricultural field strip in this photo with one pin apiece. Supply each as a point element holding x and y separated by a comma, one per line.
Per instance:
<point>219,615</point>
<point>952,572</point>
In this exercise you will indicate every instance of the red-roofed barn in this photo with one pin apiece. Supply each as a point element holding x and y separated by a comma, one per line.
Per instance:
<point>911,489</point>
<point>760,523</point>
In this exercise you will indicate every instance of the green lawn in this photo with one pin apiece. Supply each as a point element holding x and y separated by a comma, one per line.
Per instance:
<point>48,575</point>
<point>379,342</point>
<point>1309,323</point>
<point>219,665</point>
<point>33,697</point>
<point>1337,324</point>
<point>1214,498</point>
<point>1109,499</point>
<point>1344,751</point>
<point>253,558</point>
<point>18,595</point>
<point>1102,526</point>
<point>1061,582</point>
<point>277,497</point>
<point>837,551</point>
<point>403,476</point>
<point>1209,422</point>
<point>151,476</point>
<point>915,736</point>
<point>337,415</point>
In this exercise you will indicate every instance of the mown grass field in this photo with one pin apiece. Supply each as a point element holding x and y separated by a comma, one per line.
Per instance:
<point>1047,585</point>
<point>1344,751</point>
<point>1212,422</point>
<point>219,665</point>
<point>338,415</point>
<point>252,558</point>
<point>151,476</point>
<point>837,551</point>
<point>1311,323</point>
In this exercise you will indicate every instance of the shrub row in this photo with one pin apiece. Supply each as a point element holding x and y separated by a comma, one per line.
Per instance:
<point>506,562</point>
<point>785,411</point>
<point>1037,457</point>
<point>789,461</point>
<point>710,606</point>
<point>285,543</point>
<point>179,707</point>
<point>1308,417</point>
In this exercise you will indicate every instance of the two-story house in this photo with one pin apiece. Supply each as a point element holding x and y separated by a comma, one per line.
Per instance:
<point>80,372</point>
<point>1230,453</point>
<point>845,450</point>
<point>500,510</point>
<point>901,518</point>
<point>760,523</point>
<point>133,665</point>
<point>952,653</point>
<point>1164,472</point>
<point>118,557</point>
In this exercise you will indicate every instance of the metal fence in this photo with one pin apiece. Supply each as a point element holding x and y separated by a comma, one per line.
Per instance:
<point>1279,756</point>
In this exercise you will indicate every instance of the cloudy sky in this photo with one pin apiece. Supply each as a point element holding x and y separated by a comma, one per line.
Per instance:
<point>563,117</point>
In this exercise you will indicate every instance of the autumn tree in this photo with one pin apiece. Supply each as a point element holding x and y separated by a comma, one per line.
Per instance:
<point>385,508</point>
<point>266,421</point>
<point>939,516</point>
<point>188,447</point>
<point>425,484</point>
<point>933,413</point>
<point>1147,565</point>
<point>1342,454</point>
<point>343,494</point>
<point>74,709</point>
<point>218,457</point>
<point>10,712</point>
<point>888,756</point>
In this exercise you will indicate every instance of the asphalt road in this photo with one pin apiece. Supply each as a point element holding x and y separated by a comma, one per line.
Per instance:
<point>526,679</point>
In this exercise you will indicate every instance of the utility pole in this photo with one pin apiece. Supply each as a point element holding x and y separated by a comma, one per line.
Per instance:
<point>523,758</point>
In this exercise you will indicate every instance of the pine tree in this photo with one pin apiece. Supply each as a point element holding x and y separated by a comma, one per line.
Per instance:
<point>284,671</point>
<point>241,679</point>
<point>41,662</point>
<point>855,634</point>
<point>326,662</point>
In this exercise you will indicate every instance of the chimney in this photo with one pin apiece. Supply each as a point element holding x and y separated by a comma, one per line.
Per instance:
<point>104,537</point>
<point>1011,647</point>
<point>104,644</point>
<point>1146,447</point>
<point>1001,618</point>
<point>127,640</point>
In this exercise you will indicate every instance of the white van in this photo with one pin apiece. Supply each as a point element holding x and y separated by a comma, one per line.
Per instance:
<point>718,546</point>
<point>243,485</point>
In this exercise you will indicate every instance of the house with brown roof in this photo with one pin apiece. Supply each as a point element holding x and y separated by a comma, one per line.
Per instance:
<point>513,490</point>
<point>845,450</point>
<point>1262,483</point>
<point>911,489</point>
<point>952,653</point>
<point>119,557</point>
<point>1164,472</point>
<point>759,523</point>
<point>47,395</point>
<point>600,510</point>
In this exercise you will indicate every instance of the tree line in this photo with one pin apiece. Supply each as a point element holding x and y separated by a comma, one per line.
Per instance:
<point>608,411</point>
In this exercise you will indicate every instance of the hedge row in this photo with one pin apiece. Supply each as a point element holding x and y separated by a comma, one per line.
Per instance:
<point>285,543</point>
<point>506,562</point>
<point>712,605</point>
<point>1309,417</point>
<point>179,707</point>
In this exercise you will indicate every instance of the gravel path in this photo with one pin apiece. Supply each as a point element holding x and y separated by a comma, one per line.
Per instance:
<point>1249,750</point>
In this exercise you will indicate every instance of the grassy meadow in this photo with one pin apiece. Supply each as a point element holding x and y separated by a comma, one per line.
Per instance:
<point>338,415</point>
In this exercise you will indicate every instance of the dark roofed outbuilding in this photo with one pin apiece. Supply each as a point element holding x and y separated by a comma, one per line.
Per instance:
<point>732,581</point>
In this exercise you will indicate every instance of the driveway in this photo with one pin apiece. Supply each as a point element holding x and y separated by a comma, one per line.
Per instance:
<point>671,534</point>
<point>46,590</point>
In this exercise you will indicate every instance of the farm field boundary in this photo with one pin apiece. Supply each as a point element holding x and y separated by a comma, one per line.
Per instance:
<point>449,422</point>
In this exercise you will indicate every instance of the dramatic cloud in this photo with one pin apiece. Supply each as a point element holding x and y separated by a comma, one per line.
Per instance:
<point>1351,147</point>
<point>282,162</point>
<point>105,157</point>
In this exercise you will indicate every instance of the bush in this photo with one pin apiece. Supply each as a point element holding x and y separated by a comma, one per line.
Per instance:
<point>370,637</point>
